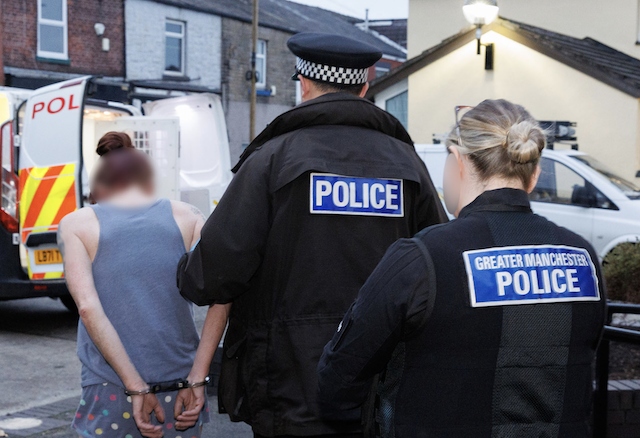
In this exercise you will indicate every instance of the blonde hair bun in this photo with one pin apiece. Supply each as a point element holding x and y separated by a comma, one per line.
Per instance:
<point>525,142</point>
<point>500,138</point>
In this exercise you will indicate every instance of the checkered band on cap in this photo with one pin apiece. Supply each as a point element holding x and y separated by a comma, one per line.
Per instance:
<point>332,74</point>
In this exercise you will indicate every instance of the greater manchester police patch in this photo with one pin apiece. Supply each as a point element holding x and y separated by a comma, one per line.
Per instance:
<point>348,195</point>
<point>529,275</point>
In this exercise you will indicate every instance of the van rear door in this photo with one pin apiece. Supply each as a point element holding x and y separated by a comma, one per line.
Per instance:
<point>157,137</point>
<point>50,172</point>
<point>205,164</point>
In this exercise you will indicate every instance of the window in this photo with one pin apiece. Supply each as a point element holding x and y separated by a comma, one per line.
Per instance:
<point>174,36</point>
<point>631,190</point>
<point>397,106</point>
<point>382,68</point>
<point>638,25</point>
<point>557,183</point>
<point>560,185</point>
<point>52,29</point>
<point>261,64</point>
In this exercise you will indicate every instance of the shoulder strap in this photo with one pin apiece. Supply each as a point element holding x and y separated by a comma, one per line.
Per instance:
<point>424,303</point>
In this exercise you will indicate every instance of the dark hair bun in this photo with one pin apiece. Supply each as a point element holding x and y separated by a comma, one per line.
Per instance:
<point>113,140</point>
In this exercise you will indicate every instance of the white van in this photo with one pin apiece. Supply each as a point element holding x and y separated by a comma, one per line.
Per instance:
<point>48,144</point>
<point>575,191</point>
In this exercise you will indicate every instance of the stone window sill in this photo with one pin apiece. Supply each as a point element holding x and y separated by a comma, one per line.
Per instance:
<point>53,60</point>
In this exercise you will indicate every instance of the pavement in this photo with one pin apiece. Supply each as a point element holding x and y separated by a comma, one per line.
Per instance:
<point>40,373</point>
<point>627,321</point>
<point>54,419</point>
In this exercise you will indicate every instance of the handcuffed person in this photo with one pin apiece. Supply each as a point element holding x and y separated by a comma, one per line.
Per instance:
<point>137,340</point>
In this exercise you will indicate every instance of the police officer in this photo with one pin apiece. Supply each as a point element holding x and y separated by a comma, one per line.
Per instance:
<point>317,199</point>
<point>484,327</point>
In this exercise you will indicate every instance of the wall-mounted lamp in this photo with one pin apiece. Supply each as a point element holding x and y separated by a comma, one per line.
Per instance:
<point>480,13</point>
<point>99,28</point>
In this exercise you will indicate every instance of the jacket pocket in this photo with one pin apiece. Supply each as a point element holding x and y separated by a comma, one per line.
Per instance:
<point>294,352</point>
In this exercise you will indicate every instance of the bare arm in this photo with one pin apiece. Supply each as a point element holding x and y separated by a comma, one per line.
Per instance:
<point>197,226</point>
<point>212,332</point>
<point>190,402</point>
<point>79,277</point>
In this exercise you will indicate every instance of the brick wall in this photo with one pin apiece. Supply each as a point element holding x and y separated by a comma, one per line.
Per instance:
<point>389,63</point>
<point>145,33</point>
<point>1,48</point>
<point>624,409</point>
<point>19,34</point>
<point>236,41</point>
<point>236,55</point>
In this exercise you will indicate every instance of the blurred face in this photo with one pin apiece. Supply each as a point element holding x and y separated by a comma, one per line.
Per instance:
<point>452,181</point>
<point>119,171</point>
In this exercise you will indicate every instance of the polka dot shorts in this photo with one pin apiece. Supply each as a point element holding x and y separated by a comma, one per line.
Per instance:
<point>106,412</point>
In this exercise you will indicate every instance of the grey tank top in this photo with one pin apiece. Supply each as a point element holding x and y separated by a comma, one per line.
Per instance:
<point>134,272</point>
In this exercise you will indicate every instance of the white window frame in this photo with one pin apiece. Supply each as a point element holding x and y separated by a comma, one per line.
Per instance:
<point>397,93</point>
<point>65,35</point>
<point>183,38</point>
<point>262,75</point>
<point>638,25</point>
<point>383,70</point>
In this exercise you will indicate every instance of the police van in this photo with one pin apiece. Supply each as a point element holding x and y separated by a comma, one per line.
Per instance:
<point>48,139</point>
<point>575,191</point>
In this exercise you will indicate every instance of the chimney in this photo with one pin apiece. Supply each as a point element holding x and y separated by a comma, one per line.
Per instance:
<point>366,20</point>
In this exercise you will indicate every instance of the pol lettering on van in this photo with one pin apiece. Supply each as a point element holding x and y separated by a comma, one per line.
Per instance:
<point>348,195</point>
<point>55,105</point>
<point>530,275</point>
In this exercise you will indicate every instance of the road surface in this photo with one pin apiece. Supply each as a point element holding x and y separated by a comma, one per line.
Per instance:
<point>40,372</point>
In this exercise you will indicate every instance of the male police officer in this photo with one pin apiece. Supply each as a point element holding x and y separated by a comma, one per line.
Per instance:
<point>317,199</point>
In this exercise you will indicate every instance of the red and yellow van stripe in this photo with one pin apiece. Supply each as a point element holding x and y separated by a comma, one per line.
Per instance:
<point>47,194</point>
<point>46,275</point>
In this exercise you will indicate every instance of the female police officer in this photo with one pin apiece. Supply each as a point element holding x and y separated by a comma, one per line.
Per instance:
<point>486,326</point>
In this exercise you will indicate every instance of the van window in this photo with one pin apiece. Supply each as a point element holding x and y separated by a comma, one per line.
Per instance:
<point>631,190</point>
<point>558,184</point>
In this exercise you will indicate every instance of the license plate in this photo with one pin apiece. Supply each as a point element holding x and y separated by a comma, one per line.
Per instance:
<point>47,256</point>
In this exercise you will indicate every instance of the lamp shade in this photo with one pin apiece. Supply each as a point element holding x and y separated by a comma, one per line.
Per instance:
<point>480,12</point>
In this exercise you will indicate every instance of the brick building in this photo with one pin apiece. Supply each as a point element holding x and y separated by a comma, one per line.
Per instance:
<point>173,47</point>
<point>275,89</point>
<point>45,41</point>
<point>278,20</point>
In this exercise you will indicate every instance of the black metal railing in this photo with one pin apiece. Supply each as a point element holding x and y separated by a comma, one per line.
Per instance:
<point>616,334</point>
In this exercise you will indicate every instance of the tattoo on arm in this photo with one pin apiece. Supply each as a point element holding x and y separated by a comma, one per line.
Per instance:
<point>195,210</point>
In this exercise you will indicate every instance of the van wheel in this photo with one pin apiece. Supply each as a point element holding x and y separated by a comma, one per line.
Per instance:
<point>69,304</point>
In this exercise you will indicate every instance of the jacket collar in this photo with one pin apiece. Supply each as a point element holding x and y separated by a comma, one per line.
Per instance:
<point>330,109</point>
<point>499,200</point>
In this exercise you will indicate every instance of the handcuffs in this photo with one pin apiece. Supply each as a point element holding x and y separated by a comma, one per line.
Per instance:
<point>175,385</point>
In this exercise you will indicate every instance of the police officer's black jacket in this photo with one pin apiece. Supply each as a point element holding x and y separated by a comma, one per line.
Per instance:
<point>291,274</point>
<point>452,370</point>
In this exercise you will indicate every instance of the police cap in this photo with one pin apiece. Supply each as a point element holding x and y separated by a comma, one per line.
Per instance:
<point>332,58</point>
